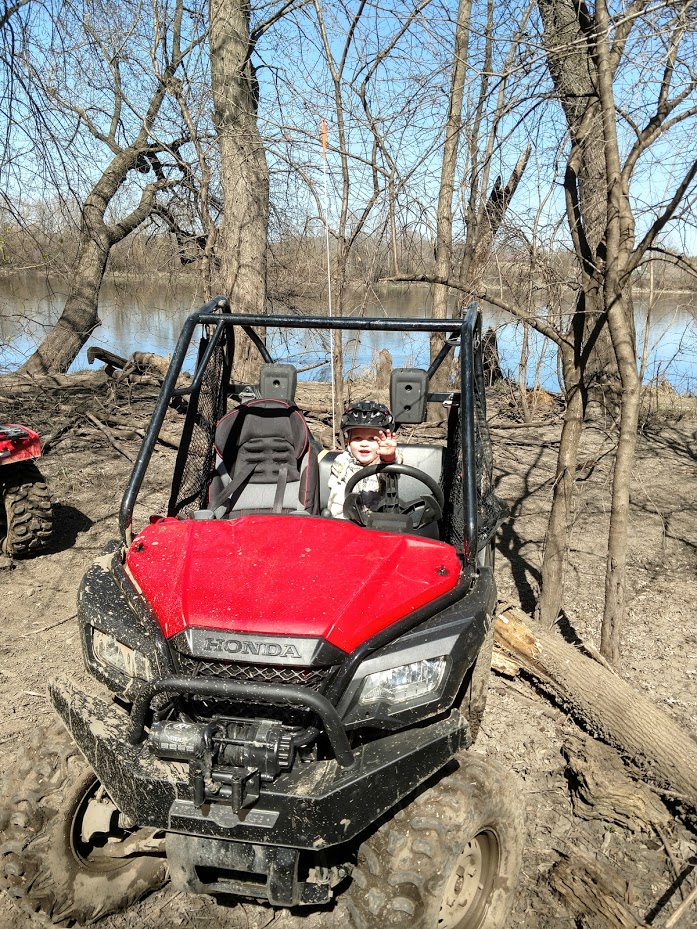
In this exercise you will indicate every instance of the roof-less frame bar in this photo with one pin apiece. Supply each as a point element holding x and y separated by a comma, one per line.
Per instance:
<point>217,315</point>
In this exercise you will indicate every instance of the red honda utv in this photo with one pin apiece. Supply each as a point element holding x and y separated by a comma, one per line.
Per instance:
<point>26,515</point>
<point>280,702</point>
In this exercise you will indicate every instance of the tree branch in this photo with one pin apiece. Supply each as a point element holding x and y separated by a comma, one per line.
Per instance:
<point>9,12</point>
<point>538,324</point>
<point>118,231</point>
<point>660,221</point>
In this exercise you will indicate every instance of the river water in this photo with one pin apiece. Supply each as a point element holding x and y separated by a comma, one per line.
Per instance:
<point>139,317</point>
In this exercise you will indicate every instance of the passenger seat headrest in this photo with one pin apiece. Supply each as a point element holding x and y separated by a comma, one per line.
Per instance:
<point>408,393</point>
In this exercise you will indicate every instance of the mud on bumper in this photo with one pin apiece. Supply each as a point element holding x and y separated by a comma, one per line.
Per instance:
<point>313,807</point>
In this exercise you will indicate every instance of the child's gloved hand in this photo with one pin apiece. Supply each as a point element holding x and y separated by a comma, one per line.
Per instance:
<point>387,447</point>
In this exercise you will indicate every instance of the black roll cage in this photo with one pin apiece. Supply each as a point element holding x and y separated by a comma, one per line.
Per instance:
<point>465,332</point>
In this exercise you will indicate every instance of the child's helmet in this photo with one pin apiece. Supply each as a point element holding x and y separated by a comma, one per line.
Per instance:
<point>367,413</point>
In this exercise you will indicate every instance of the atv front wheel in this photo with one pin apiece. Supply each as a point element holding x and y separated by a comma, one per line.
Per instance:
<point>63,847</point>
<point>26,517</point>
<point>450,860</point>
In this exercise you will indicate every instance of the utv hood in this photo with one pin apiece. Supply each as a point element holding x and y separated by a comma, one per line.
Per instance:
<point>286,575</point>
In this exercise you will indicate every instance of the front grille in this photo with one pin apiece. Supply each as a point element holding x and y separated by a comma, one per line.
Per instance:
<point>313,678</point>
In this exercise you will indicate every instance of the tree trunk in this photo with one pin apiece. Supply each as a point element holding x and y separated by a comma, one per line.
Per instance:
<point>446,191</point>
<point>606,705</point>
<point>244,172</point>
<point>79,318</point>
<point>557,540</point>
<point>616,568</point>
<point>583,83</point>
<point>620,316</point>
<point>337,345</point>
<point>568,37</point>
<point>482,230</point>
<point>394,246</point>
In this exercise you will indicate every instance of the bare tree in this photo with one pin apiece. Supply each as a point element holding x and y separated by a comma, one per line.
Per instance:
<point>592,51</point>
<point>244,173</point>
<point>475,130</point>
<point>96,100</point>
<point>353,72</point>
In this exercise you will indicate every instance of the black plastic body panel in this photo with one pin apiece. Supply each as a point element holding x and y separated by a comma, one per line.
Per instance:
<point>108,601</point>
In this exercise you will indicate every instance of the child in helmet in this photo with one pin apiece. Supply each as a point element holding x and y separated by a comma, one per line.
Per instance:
<point>367,428</point>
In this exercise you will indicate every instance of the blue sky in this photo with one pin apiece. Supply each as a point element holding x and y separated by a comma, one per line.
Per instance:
<point>407,96</point>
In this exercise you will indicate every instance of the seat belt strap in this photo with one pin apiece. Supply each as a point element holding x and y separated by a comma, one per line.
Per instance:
<point>235,483</point>
<point>280,489</point>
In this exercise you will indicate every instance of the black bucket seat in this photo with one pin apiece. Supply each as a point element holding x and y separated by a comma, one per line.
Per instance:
<point>265,462</point>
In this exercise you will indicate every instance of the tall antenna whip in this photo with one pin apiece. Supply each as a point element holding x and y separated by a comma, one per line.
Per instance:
<point>329,267</point>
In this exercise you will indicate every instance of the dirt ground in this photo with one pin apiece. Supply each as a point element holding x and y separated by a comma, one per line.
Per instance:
<point>522,730</point>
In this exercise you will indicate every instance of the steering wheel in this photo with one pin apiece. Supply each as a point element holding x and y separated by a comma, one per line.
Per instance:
<point>429,507</point>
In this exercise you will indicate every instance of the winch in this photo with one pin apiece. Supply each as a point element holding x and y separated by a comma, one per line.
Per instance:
<point>227,759</point>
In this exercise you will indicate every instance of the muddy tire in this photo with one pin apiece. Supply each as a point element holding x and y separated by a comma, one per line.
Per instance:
<point>26,520</point>
<point>46,863</point>
<point>449,860</point>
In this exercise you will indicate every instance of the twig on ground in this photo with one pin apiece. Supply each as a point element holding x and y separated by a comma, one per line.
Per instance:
<point>521,443</point>
<point>110,436</point>
<point>682,909</point>
<point>669,852</point>
<point>539,424</point>
<point>60,622</point>
<point>664,792</point>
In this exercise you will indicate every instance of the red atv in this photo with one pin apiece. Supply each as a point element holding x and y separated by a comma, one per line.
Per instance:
<point>281,701</point>
<point>26,517</point>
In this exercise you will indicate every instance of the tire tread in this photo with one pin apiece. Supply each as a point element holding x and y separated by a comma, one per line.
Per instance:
<point>28,510</point>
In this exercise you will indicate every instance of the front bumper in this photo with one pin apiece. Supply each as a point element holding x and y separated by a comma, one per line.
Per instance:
<point>314,806</point>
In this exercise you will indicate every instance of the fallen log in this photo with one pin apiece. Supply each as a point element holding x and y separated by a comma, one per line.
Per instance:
<point>149,362</point>
<point>139,361</point>
<point>14,385</point>
<point>97,353</point>
<point>593,891</point>
<point>605,704</point>
<point>601,789</point>
<point>143,368</point>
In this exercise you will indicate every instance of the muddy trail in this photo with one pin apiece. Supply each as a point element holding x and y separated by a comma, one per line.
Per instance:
<point>645,863</point>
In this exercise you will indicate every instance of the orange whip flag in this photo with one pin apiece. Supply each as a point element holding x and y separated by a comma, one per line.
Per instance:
<point>324,138</point>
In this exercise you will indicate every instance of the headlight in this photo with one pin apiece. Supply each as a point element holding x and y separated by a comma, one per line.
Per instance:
<point>404,684</point>
<point>109,651</point>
